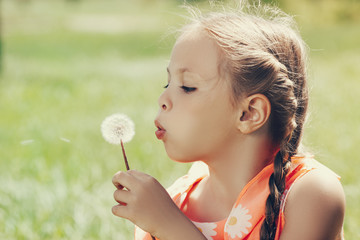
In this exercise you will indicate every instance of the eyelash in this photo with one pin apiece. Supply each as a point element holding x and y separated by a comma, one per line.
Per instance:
<point>186,89</point>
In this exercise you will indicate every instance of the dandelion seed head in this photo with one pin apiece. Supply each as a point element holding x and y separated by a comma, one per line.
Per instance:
<point>117,127</point>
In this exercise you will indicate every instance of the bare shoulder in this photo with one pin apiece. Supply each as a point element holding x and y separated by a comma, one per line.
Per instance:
<point>315,207</point>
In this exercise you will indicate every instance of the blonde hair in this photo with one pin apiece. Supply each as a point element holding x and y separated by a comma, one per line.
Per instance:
<point>262,52</point>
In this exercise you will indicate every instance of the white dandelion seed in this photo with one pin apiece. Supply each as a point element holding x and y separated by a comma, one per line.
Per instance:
<point>27,142</point>
<point>116,128</point>
<point>64,139</point>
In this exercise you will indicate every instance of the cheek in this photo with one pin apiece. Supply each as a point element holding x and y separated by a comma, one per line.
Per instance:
<point>185,141</point>
<point>198,128</point>
<point>199,122</point>
<point>192,140</point>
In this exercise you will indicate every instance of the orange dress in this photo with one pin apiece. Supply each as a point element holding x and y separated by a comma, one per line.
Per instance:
<point>248,212</point>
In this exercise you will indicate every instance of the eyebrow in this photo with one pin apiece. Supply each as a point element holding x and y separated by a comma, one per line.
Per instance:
<point>180,70</point>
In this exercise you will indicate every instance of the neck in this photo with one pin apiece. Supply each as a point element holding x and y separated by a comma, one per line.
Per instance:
<point>231,170</point>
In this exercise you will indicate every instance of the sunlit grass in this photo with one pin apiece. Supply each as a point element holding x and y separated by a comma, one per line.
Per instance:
<point>61,81</point>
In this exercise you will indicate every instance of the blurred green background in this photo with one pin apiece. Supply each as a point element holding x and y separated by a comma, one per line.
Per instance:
<point>66,65</point>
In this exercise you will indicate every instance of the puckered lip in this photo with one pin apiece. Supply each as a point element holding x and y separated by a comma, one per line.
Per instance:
<point>159,126</point>
<point>160,132</point>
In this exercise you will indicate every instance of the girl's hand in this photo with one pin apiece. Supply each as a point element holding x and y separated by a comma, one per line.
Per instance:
<point>143,201</point>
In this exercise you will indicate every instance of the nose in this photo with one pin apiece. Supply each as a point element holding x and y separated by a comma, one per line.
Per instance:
<point>164,101</point>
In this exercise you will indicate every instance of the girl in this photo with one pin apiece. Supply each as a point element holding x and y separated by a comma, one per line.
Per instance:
<point>236,100</point>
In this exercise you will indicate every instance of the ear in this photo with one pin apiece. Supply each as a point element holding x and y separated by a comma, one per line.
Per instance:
<point>255,111</point>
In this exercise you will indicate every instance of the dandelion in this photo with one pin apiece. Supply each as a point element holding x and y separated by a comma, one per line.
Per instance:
<point>117,129</point>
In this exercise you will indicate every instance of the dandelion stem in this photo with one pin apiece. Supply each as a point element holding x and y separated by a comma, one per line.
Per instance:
<point>127,167</point>
<point>124,154</point>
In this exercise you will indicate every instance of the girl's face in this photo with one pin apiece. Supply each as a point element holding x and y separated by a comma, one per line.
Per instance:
<point>196,119</point>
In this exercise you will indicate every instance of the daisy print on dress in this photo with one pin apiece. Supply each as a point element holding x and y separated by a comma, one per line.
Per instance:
<point>238,223</point>
<point>207,229</point>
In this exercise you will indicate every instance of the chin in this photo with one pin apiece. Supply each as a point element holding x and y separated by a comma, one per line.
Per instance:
<point>181,158</point>
<point>180,154</point>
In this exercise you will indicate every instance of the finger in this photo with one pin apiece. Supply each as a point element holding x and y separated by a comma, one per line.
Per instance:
<point>122,196</point>
<point>117,184</point>
<point>137,174</point>
<point>120,211</point>
<point>121,180</point>
<point>139,177</point>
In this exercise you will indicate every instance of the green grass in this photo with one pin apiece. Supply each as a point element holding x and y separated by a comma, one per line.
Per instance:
<point>60,80</point>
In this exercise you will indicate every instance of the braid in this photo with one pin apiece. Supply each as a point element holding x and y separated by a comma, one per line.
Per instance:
<point>277,187</point>
<point>283,125</point>
<point>287,124</point>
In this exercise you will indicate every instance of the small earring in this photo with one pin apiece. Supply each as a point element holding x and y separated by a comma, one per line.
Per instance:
<point>164,107</point>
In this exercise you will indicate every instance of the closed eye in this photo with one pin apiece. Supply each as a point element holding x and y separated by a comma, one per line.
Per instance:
<point>188,89</point>
<point>166,86</point>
